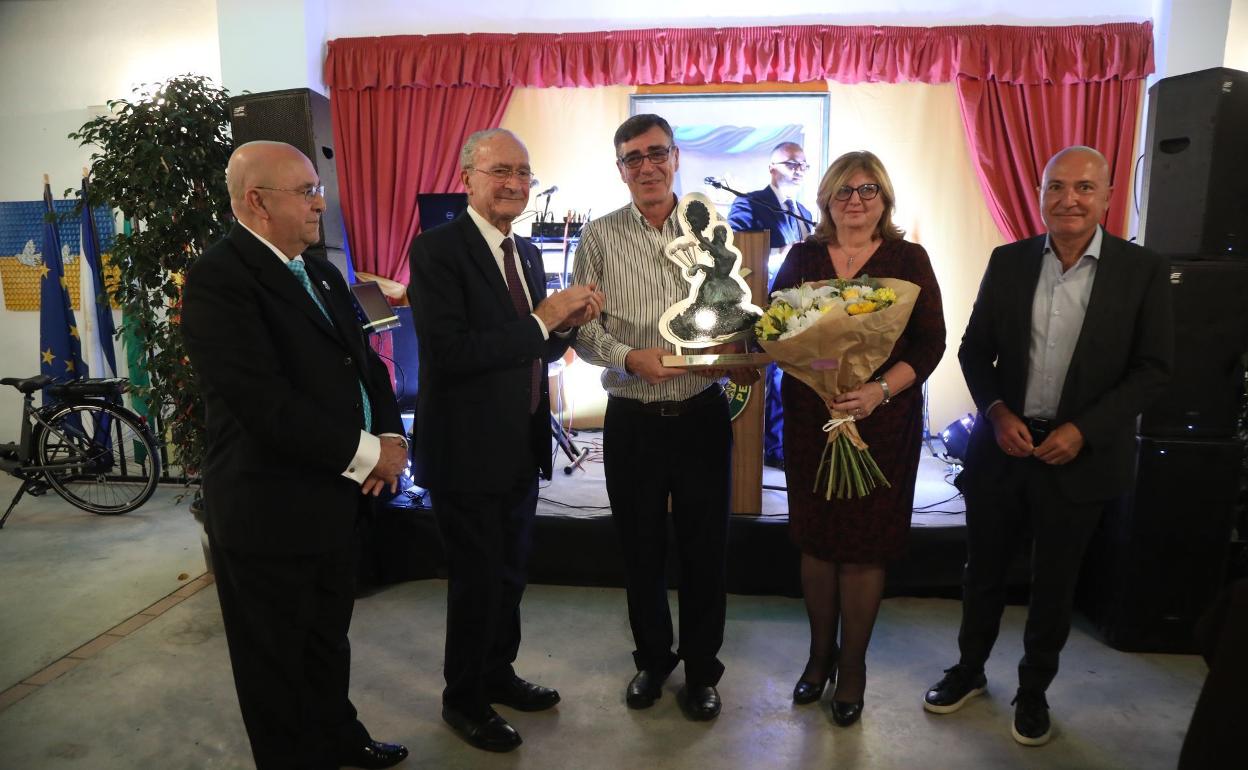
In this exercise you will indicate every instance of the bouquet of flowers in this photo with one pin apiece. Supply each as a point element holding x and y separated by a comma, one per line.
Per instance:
<point>832,335</point>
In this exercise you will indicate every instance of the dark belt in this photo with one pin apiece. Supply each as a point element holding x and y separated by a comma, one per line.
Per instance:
<point>1040,428</point>
<point>669,408</point>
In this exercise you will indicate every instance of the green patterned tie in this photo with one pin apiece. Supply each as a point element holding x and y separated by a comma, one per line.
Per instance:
<point>301,274</point>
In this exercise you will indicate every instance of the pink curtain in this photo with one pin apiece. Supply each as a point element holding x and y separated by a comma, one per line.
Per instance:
<point>745,55</point>
<point>403,105</point>
<point>392,144</point>
<point>1013,129</point>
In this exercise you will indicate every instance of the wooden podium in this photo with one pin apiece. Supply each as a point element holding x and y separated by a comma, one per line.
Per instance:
<point>747,428</point>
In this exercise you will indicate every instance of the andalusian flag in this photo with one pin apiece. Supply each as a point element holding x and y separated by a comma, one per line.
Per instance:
<point>97,311</point>
<point>60,354</point>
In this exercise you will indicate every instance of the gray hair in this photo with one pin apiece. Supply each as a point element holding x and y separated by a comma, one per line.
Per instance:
<point>469,153</point>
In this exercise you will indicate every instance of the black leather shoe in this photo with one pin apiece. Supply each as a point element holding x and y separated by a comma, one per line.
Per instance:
<point>700,703</point>
<point>951,693</point>
<point>1031,725</point>
<point>490,732</point>
<point>374,755</point>
<point>845,714</point>
<point>523,696</point>
<point>644,690</point>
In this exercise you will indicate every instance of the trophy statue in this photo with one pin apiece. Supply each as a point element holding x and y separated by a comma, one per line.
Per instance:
<point>718,309</point>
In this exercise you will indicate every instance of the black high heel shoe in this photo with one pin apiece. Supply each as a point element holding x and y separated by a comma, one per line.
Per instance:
<point>845,713</point>
<point>808,692</point>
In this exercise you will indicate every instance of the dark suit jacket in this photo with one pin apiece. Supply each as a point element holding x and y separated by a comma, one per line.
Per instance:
<point>282,398</point>
<point>1121,361</point>
<point>473,427</point>
<point>751,212</point>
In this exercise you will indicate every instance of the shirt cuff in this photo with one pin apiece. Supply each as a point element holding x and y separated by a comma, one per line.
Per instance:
<point>542,326</point>
<point>366,456</point>
<point>988,410</point>
<point>618,356</point>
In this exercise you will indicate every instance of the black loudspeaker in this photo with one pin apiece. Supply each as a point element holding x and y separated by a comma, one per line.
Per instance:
<point>1195,190</point>
<point>1210,343</point>
<point>1159,557</point>
<point>299,117</point>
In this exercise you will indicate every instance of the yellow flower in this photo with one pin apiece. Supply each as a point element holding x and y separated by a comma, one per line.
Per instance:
<point>849,294</point>
<point>884,294</point>
<point>858,308</point>
<point>766,328</point>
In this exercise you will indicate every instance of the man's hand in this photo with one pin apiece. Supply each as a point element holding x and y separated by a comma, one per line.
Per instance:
<point>392,463</point>
<point>570,307</point>
<point>741,375</point>
<point>1061,446</point>
<point>1010,431</point>
<point>647,363</point>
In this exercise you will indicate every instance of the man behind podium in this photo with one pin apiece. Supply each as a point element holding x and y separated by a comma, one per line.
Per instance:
<point>486,330</point>
<point>766,209</point>
<point>301,426</point>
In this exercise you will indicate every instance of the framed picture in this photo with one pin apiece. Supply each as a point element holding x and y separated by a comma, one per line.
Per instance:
<point>730,137</point>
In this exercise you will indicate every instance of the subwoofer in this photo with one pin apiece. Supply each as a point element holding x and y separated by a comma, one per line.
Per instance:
<point>1195,187</point>
<point>299,117</point>
<point>1159,557</point>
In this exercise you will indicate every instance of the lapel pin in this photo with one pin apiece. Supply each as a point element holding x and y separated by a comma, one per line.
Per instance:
<point>325,284</point>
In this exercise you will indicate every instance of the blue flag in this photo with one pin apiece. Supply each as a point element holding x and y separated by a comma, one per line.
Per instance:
<point>60,354</point>
<point>95,301</point>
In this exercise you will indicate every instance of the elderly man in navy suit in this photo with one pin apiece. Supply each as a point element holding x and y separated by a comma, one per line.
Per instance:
<point>775,208</point>
<point>1071,337</point>
<point>302,431</point>
<point>487,329</point>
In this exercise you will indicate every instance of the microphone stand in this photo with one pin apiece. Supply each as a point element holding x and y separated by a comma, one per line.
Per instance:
<point>713,182</point>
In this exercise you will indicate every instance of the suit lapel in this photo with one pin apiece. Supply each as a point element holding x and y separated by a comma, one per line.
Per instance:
<point>1032,258</point>
<point>534,270</point>
<point>481,256</point>
<point>277,278</point>
<point>1101,306</point>
<point>341,308</point>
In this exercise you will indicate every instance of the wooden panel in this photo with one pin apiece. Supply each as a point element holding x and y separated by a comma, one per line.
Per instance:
<point>747,429</point>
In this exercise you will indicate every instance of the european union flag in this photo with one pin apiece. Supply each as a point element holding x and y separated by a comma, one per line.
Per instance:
<point>95,302</point>
<point>60,353</point>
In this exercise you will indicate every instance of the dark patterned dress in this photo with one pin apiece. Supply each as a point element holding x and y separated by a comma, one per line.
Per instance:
<point>874,528</point>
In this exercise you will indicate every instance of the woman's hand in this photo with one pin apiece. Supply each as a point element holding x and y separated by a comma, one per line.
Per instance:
<point>861,402</point>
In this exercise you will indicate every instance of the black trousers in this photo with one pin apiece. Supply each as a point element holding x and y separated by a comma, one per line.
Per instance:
<point>1025,500</point>
<point>286,620</point>
<point>648,457</point>
<point>488,538</point>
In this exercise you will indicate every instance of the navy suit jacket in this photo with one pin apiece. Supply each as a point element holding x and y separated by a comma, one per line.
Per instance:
<point>281,388</point>
<point>1121,361</point>
<point>474,432</point>
<point>751,212</point>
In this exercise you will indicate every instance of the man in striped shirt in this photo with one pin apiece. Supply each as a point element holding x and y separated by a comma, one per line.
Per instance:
<point>667,432</point>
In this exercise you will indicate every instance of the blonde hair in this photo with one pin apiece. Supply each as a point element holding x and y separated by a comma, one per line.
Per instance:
<point>836,177</point>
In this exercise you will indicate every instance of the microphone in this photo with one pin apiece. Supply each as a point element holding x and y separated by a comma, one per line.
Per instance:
<point>549,191</point>
<point>713,182</point>
<point>533,182</point>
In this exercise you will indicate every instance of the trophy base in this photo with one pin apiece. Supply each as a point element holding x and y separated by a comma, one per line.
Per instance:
<point>718,361</point>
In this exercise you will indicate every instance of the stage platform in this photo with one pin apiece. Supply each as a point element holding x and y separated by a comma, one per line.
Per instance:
<point>575,542</point>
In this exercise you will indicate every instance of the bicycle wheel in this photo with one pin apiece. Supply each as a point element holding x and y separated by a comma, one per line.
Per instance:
<point>99,457</point>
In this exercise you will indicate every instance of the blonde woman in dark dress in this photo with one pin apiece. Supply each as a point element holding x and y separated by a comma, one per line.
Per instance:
<point>845,544</point>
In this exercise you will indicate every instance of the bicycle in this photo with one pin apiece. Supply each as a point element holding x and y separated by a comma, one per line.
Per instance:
<point>93,452</point>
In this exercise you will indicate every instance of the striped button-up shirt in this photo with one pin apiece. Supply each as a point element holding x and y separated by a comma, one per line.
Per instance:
<point>623,254</point>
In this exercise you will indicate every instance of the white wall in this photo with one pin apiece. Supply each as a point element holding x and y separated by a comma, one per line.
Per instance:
<point>58,58</point>
<point>362,18</point>
<point>1237,37</point>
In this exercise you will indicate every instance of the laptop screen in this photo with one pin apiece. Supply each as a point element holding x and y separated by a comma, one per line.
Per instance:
<point>378,314</point>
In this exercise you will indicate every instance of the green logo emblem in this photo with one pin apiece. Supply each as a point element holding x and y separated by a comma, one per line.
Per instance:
<point>738,397</point>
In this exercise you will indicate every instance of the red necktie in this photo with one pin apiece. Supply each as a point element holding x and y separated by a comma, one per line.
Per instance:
<point>515,287</point>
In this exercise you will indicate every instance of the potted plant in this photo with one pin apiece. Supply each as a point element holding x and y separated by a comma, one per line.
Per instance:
<point>160,158</point>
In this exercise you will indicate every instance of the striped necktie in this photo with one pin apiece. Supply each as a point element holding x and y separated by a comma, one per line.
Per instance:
<point>301,274</point>
<point>515,288</point>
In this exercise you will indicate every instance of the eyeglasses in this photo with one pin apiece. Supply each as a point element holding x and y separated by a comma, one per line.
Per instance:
<point>656,157</point>
<point>865,192</point>
<point>309,193</point>
<point>503,173</point>
<point>794,165</point>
